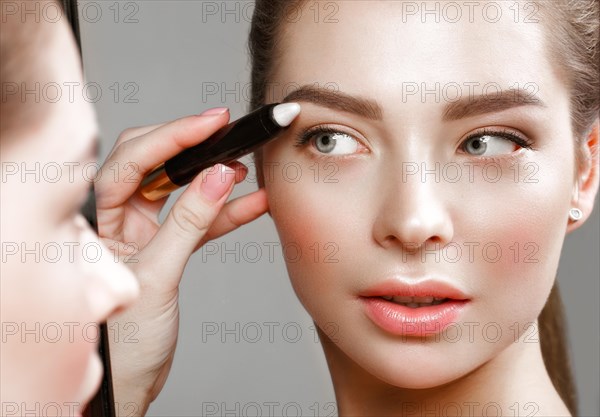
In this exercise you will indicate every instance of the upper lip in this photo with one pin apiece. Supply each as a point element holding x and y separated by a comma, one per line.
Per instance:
<point>424,288</point>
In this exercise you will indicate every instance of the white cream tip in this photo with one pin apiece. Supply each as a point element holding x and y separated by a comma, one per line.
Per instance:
<point>285,113</point>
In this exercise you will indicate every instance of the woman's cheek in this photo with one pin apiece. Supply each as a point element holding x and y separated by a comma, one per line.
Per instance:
<point>318,223</point>
<point>519,232</point>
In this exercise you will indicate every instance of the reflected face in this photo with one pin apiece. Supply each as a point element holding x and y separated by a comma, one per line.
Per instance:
<point>58,280</point>
<point>416,168</point>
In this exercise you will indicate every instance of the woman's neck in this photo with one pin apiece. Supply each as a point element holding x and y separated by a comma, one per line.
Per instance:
<point>515,382</point>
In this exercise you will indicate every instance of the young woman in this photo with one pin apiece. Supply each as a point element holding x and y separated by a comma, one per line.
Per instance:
<point>449,133</point>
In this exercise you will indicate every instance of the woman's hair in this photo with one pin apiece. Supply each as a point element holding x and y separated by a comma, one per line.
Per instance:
<point>572,28</point>
<point>24,40</point>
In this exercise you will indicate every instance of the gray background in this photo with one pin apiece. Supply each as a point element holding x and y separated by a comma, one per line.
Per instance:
<point>169,49</point>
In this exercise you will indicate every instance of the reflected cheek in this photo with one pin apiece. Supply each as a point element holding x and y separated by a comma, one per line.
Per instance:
<point>52,338</point>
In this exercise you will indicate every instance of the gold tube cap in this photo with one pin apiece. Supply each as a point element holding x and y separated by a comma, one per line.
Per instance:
<point>157,184</point>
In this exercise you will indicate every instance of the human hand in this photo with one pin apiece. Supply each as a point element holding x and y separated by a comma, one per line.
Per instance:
<point>158,253</point>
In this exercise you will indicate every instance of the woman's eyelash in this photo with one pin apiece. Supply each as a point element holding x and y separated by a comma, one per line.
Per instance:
<point>506,134</point>
<point>304,137</point>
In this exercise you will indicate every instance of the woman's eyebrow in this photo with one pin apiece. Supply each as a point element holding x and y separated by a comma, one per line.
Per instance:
<point>474,105</point>
<point>336,100</point>
<point>468,106</point>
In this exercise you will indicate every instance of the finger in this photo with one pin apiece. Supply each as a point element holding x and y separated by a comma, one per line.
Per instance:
<point>113,219</point>
<point>188,221</point>
<point>152,208</point>
<point>133,132</point>
<point>241,170</point>
<point>122,172</point>
<point>236,213</point>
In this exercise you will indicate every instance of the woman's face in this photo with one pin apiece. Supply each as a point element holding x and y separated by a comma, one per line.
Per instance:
<point>449,180</point>
<point>58,281</point>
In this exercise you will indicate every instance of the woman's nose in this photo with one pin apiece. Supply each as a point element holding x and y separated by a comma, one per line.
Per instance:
<point>413,213</point>
<point>112,285</point>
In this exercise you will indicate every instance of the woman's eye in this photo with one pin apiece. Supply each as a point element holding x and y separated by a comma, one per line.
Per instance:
<point>492,144</point>
<point>330,142</point>
<point>335,143</point>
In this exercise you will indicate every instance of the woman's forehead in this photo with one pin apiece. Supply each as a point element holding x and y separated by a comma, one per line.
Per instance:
<point>375,42</point>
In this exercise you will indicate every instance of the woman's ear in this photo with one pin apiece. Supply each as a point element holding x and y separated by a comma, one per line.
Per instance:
<point>587,178</point>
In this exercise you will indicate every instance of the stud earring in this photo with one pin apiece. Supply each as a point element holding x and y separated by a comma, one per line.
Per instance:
<point>575,214</point>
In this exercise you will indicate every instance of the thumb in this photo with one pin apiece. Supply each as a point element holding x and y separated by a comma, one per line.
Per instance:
<point>188,221</point>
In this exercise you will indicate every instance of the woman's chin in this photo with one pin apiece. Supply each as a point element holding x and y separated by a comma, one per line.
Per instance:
<point>413,378</point>
<point>410,370</point>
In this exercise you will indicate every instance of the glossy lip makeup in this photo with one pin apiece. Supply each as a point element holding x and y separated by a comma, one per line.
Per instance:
<point>419,309</point>
<point>229,143</point>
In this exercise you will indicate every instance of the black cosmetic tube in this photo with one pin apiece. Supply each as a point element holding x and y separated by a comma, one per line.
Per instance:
<point>226,145</point>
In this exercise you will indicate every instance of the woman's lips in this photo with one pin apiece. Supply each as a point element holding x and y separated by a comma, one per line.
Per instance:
<point>402,320</point>
<point>429,307</point>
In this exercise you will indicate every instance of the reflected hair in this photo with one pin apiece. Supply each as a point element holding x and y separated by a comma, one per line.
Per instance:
<point>24,57</point>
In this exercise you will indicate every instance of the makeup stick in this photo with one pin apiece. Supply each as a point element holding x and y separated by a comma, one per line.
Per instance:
<point>229,143</point>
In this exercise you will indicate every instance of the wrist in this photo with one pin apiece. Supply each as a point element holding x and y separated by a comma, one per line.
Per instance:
<point>131,400</point>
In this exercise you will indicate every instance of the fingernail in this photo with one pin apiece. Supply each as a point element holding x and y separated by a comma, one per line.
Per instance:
<point>217,181</point>
<point>215,112</point>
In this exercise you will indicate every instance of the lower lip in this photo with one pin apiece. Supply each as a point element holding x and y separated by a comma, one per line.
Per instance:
<point>406,321</point>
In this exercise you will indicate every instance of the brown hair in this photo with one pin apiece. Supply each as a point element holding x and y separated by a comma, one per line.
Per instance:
<point>572,41</point>
<point>572,28</point>
<point>23,50</point>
